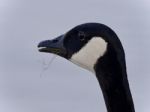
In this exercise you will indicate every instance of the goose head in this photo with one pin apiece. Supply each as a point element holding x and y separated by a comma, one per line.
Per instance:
<point>83,45</point>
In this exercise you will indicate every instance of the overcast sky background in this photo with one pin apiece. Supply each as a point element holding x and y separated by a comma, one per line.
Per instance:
<point>64,87</point>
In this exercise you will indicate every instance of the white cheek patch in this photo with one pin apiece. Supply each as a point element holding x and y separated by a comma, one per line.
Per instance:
<point>87,56</point>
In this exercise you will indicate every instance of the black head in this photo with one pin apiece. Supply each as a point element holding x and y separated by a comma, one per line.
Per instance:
<point>82,43</point>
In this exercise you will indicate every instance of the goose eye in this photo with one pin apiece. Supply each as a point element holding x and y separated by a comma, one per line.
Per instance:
<point>81,36</point>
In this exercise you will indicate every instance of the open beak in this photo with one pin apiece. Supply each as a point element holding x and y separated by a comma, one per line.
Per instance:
<point>54,46</point>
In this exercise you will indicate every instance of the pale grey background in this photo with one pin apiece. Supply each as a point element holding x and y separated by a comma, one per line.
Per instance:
<point>64,87</point>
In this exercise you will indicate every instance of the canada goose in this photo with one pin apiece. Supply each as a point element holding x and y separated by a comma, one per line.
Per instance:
<point>96,47</point>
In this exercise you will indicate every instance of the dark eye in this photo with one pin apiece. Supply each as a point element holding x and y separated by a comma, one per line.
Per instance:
<point>81,35</point>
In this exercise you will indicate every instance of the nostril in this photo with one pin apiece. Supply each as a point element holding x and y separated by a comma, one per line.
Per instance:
<point>55,40</point>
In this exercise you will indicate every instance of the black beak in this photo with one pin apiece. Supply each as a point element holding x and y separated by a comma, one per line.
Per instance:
<point>54,46</point>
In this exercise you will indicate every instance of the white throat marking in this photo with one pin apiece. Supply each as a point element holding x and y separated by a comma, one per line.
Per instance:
<point>87,56</point>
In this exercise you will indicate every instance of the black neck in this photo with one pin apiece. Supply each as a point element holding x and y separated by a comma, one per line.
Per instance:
<point>112,77</point>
